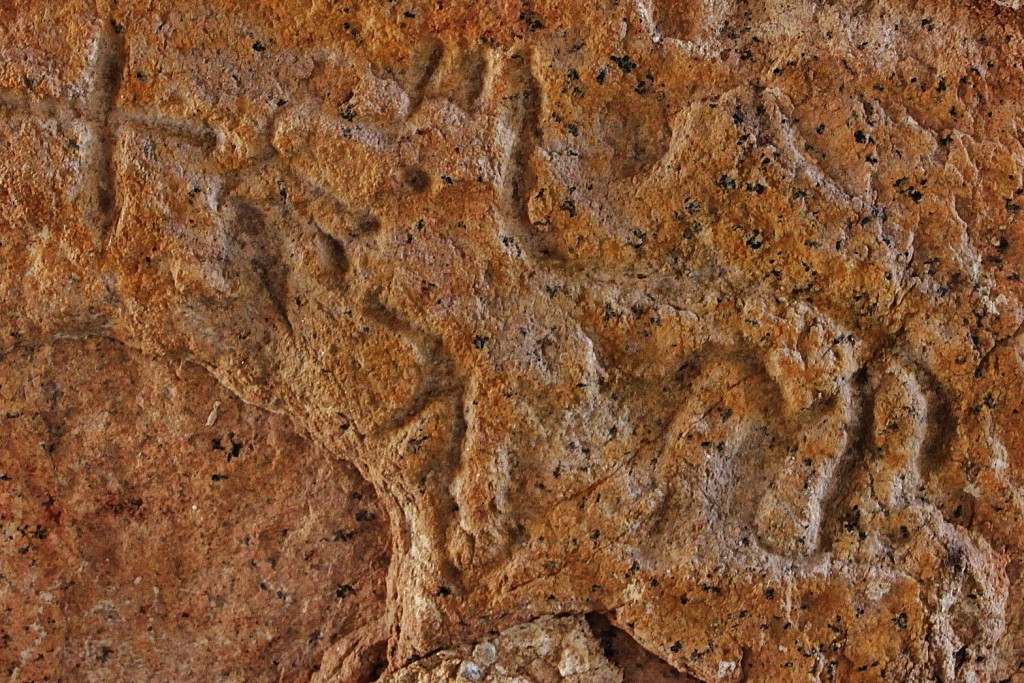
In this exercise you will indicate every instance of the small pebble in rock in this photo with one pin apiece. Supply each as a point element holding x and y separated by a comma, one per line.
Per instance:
<point>471,672</point>
<point>485,653</point>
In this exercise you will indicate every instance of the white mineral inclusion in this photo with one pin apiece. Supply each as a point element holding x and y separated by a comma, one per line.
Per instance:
<point>571,663</point>
<point>471,672</point>
<point>485,654</point>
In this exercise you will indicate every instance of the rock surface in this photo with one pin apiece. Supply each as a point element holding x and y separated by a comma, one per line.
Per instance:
<point>628,340</point>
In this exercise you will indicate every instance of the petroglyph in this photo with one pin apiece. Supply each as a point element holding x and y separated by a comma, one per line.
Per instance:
<point>700,319</point>
<point>103,117</point>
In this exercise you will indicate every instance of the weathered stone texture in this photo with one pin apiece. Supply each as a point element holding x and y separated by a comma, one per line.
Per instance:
<point>630,340</point>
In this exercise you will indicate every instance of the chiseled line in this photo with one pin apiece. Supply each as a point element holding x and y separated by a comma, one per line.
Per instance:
<point>102,119</point>
<point>18,105</point>
<point>200,133</point>
<point>108,68</point>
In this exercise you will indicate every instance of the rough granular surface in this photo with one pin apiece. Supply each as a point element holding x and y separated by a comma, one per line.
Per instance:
<point>527,340</point>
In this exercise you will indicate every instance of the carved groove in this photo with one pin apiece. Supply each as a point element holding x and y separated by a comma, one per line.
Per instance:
<point>427,58</point>
<point>521,110</point>
<point>260,249</point>
<point>108,66</point>
<point>438,379</point>
<point>103,119</point>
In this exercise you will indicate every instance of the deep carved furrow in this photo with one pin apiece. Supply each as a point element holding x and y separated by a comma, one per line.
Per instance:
<point>108,68</point>
<point>700,319</point>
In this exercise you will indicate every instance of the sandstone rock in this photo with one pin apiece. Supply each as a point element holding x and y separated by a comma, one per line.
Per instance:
<point>548,649</point>
<point>157,528</point>
<point>680,337</point>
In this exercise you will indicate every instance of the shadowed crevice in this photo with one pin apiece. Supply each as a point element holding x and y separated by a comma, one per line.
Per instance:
<point>637,664</point>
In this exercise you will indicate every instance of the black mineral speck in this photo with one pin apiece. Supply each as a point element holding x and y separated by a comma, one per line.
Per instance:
<point>624,62</point>
<point>416,179</point>
<point>531,21</point>
<point>755,241</point>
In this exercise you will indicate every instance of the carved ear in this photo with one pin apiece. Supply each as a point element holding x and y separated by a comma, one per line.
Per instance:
<point>513,103</point>
<point>516,97</point>
<point>416,79</point>
<point>460,76</point>
<point>453,69</point>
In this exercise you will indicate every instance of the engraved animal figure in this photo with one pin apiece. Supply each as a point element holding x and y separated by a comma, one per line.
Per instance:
<point>816,402</point>
<point>738,399</point>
